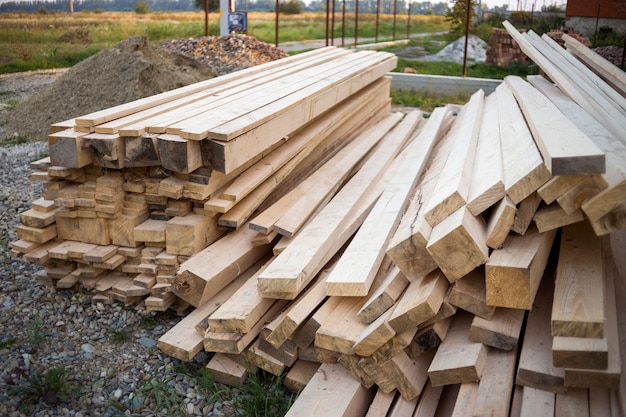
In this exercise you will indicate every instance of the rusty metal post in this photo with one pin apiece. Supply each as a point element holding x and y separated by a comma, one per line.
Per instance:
<point>377,18</point>
<point>408,22</point>
<point>356,22</point>
<point>467,26</point>
<point>277,19</point>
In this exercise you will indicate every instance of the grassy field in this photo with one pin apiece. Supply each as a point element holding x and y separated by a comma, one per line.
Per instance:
<point>42,41</point>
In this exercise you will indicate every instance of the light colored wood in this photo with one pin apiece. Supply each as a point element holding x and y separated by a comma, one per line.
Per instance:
<point>351,363</point>
<point>608,378</point>
<point>465,400</point>
<point>309,250</point>
<point>522,176</point>
<point>381,404</point>
<point>259,357</point>
<point>600,65</point>
<point>574,198</point>
<point>342,329</point>
<point>501,331</point>
<point>210,270</point>
<point>190,234</point>
<point>579,301</point>
<point>557,185</point>
<point>420,302</point>
<point>428,337</point>
<point>152,231</point>
<point>513,273</point>
<point>348,111</point>
<point>304,92</point>
<point>537,403</point>
<point>357,268</point>
<point>343,395</point>
<point>469,293</point>
<point>38,219</point>
<point>385,296</point>
<point>452,188</point>
<point>525,212</point>
<point>500,222</point>
<point>575,403</point>
<point>300,375</point>
<point>566,149</point>
<point>603,202</point>
<point>459,244</point>
<point>228,369</point>
<point>88,230</point>
<point>576,88</point>
<point>38,235</point>
<point>494,390</point>
<point>554,217</point>
<point>402,407</point>
<point>407,247</point>
<point>306,333</point>
<point>458,359</point>
<point>409,376</point>
<point>580,353</point>
<point>394,346</point>
<point>429,400</point>
<point>122,110</point>
<point>535,367</point>
<point>487,185</point>
<point>374,336</point>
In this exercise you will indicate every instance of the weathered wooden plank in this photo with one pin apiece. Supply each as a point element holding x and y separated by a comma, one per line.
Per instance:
<point>574,403</point>
<point>537,403</point>
<point>553,217</point>
<point>501,331</point>
<point>494,390</point>
<point>469,293</point>
<point>68,148</point>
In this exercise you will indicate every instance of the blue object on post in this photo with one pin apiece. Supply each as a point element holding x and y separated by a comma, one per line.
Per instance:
<point>237,22</point>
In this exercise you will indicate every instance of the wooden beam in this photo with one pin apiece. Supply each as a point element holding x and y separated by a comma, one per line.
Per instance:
<point>578,309</point>
<point>469,293</point>
<point>357,268</point>
<point>69,148</point>
<point>500,223</point>
<point>343,395</point>
<point>554,217</point>
<point>537,403</point>
<point>501,331</point>
<point>494,390</point>
<point>513,273</point>
<point>330,229</point>
<point>385,296</point>
<point>452,188</point>
<point>487,184</point>
<point>521,176</point>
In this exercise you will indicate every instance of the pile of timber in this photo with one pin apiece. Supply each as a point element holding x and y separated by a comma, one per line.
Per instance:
<point>391,265</point>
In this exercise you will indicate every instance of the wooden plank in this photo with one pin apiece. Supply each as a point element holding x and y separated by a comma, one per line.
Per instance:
<point>513,273</point>
<point>407,248</point>
<point>122,110</point>
<point>309,250</point>
<point>300,375</point>
<point>429,400</point>
<point>575,197</point>
<point>487,185</point>
<point>537,403</point>
<point>308,89</point>
<point>428,337</point>
<point>458,360</point>
<point>459,244</point>
<point>357,268</point>
<point>207,272</point>
<point>600,65</point>
<point>469,293</point>
<point>557,185</point>
<point>603,202</point>
<point>500,222</point>
<point>228,369</point>
<point>351,363</point>
<point>578,309</point>
<point>178,154</point>
<point>141,151</point>
<point>608,378</point>
<point>494,390</point>
<point>348,112</point>
<point>381,404</point>
<point>501,331</point>
<point>452,188</point>
<point>585,97</point>
<point>343,395</point>
<point>566,149</point>
<point>374,336</point>
<point>385,296</point>
<point>190,234</point>
<point>342,329</point>
<point>575,403</point>
<point>525,212</point>
<point>108,150</point>
<point>420,302</point>
<point>535,367</point>
<point>465,400</point>
<point>554,217</point>
<point>38,219</point>
<point>521,176</point>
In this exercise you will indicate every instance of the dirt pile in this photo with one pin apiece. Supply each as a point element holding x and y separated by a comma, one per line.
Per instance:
<point>224,54</point>
<point>132,69</point>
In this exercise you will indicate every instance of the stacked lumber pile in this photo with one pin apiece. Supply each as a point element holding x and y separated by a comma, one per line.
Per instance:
<point>502,50</point>
<point>455,265</point>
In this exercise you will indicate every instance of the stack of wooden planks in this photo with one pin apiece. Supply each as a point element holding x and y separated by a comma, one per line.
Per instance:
<point>388,264</point>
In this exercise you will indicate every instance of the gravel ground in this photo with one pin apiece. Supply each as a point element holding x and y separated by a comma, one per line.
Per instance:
<point>61,355</point>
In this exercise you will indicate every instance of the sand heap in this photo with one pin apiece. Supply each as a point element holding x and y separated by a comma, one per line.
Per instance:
<point>131,69</point>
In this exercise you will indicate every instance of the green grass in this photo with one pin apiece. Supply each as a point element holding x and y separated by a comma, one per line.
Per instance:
<point>6,342</point>
<point>263,395</point>
<point>425,102</point>
<point>474,70</point>
<point>50,387</point>
<point>32,41</point>
<point>35,333</point>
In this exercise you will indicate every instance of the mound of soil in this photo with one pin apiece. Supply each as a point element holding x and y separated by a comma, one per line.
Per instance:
<point>130,70</point>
